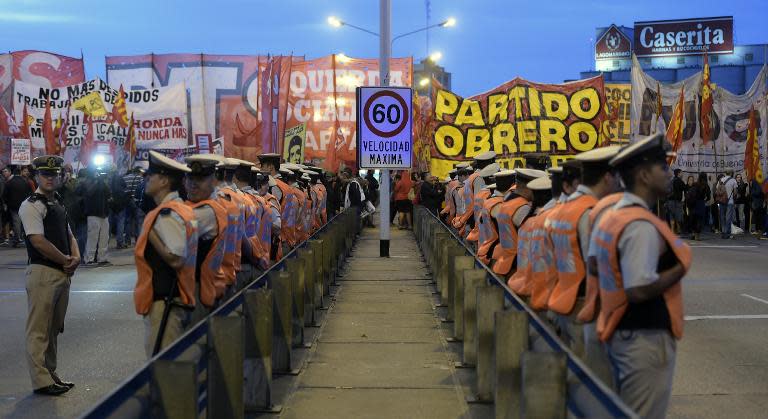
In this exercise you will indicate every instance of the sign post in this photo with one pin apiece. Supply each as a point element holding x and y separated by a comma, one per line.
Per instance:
<point>384,140</point>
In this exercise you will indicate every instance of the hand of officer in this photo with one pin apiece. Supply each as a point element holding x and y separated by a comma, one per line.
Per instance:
<point>71,265</point>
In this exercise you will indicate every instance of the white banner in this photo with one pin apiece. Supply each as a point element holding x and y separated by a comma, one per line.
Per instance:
<point>726,150</point>
<point>21,151</point>
<point>159,114</point>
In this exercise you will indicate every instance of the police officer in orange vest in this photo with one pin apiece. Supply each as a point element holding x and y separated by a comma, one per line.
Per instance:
<point>463,170</point>
<point>211,216</point>
<point>165,254</point>
<point>538,161</point>
<point>486,175</point>
<point>569,233</point>
<point>641,263</point>
<point>509,217</point>
<point>488,237</point>
<point>449,210</point>
<point>264,186</point>
<point>255,253</point>
<point>471,186</point>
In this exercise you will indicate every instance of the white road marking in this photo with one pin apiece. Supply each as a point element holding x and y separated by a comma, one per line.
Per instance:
<point>73,291</point>
<point>716,246</point>
<point>755,298</point>
<point>731,317</point>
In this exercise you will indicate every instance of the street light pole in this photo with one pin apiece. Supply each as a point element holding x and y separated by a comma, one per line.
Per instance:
<point>385,51</point>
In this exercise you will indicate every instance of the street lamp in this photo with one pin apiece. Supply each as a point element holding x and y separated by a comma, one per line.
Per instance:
<point>337,23</point>
<point>424,82</point>
<point>436,56</point>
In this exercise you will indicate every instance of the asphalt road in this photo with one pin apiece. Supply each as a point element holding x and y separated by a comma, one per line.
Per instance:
<point>722,361</point>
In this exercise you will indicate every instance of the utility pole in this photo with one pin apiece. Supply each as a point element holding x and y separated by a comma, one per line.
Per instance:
<point>385,51</point>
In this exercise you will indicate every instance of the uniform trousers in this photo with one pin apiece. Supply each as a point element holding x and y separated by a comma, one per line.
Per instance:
<point>178,321</point>
<point>643,363</point>
<point>47,300</point>
<point>98,239</point>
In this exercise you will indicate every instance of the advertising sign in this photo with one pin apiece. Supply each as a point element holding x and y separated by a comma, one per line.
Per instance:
<point>684,37</point>
<point>613,45</point>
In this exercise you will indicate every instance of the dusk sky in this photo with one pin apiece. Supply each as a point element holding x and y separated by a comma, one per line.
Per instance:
<point>493,41</point>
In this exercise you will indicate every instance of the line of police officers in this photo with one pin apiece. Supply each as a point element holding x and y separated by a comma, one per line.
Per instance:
<point>581,245</point>
<point>238,218</point>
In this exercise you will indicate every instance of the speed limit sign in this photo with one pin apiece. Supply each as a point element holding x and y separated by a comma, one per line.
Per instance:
<point>384,136</point>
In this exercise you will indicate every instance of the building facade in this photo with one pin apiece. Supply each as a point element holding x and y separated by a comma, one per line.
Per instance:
<point>426,69</point>
<point>733,67</point>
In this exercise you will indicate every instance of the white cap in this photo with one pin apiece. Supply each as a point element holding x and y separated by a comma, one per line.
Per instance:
<point>540,184</point>
<point>489,170</point>
<point>488,155</point>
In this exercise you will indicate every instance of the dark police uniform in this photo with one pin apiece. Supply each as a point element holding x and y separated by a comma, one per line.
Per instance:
<point>46,282</point>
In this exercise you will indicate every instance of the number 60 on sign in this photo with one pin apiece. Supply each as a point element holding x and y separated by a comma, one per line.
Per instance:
<point>384,135</point>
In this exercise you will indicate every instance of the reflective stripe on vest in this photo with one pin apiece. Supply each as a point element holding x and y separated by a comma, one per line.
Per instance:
<point>613,299</point>
<point>143,294</point>
<point>480,198</point>
<point>588,312</point>
<point>505,252</point>
<point>542,266</point>
<point>213,279</point>
<point>468,196</point>
<point>488,235</point>
<point>569,262</point>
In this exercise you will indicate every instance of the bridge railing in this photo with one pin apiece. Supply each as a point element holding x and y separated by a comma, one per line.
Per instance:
<point>223,365</point>
<point>521,365</point>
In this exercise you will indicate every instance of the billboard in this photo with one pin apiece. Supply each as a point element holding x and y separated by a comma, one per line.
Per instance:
<point>684,37</point>
<point>613,44</point>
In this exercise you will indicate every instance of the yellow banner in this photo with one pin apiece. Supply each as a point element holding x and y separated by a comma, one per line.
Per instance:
<point>91,105</point>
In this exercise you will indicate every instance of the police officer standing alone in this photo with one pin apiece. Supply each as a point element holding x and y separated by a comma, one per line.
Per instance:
<point>53,258</point>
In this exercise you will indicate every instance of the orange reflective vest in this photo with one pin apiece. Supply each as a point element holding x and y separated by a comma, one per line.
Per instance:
<point>317,198</point>
<point>480,198</point>
<point>238,199</point>
<point>543,274</point>
<point>144,293</point>
<point>274,204</point>
<point>301,222</point>
<point>261,240</point>
<point>613,298</point>
<point>505,252</point>
<point>588,311</point>
<point>519,281</point>
<point>289,209</point>
<point>210,271</point>
<point>229,264</point>
<point>450,205</point>
<point>569,262</point>
<point>488,234</point>
<point>323,197</point>
<point>468,195</point>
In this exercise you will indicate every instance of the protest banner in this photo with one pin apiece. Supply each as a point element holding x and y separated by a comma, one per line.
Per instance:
<point>40,68</point>
<point>224,92</point>
<point>160,118</point>
<point>293,143</point>
<point>730,115</point>
<point>516,118</point>
<point>21,151</point>
<point>616,126</point>
<point>322,95</point>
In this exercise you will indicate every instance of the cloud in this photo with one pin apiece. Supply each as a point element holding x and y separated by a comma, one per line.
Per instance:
<point>15,17</point>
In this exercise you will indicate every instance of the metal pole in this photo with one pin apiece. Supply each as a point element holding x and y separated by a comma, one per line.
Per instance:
<point>385,9</point>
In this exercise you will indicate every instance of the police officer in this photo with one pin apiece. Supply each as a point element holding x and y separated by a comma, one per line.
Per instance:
<point>53,258</point>
<point>569,231</point>
<point>640,264</point>
<point>211,216</point>
<point>165,255</point>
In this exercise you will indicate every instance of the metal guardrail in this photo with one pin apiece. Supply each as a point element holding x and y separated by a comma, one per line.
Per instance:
<point>134,396</point>
<point>609,402</point>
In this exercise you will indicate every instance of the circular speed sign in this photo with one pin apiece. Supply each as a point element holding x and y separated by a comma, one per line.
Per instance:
<point>386,113</point>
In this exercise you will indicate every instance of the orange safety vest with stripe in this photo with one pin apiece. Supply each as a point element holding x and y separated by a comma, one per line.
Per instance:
<point>468,195</point>
<point>274,203</point>
<point>143,293</point>
<point>488,235</point>
<point>505,252</point>
<point>301,226</point>
<point>450,205</point>
<point>228,263</point>
<point>317,215</point>
<point>613,298</point>
<point>519,281</point>
<point>309,212</point>
<point>261,240</point>
<point>210,271</point>
<point>239,230</point>
<point>289,209</point>
<point>589,310</point>
<point>569,262</point>
<point>480,198</point>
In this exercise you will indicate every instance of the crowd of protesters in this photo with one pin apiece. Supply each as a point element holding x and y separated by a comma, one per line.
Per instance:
<point>716,204</point>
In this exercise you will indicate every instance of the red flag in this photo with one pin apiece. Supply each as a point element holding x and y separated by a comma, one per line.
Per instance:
<point>86,147</point>
<point>130,143</point>
<point>7,124</point>
<point>752,151</point>
<point>705,114</point>
<point>119,110</point>
<point>51,146</point>
<point>337,139</point>
<point>62,135</point>
<point>25,124</point>
<point>675,130</point>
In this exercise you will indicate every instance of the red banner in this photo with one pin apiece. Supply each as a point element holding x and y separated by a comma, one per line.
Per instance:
<point>323,96</point>
<point>41,68</point>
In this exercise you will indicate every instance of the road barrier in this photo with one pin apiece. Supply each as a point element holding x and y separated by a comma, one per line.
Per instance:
<point>223,366</point>
<point>521,364</point>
